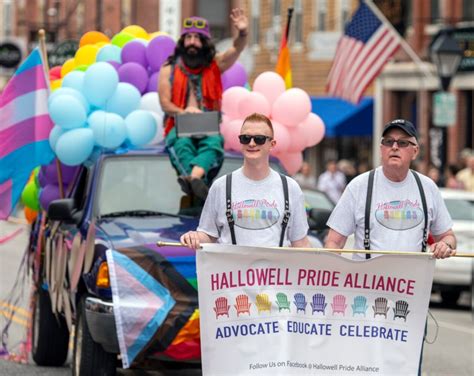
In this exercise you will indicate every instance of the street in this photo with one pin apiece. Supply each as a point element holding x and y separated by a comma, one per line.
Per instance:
<point>451,354</point>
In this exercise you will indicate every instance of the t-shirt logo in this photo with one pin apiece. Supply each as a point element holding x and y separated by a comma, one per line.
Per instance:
<point>399,215</point>
<point>255,214</point>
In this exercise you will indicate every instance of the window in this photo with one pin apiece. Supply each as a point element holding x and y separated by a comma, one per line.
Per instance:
<point>345,13</point>
<point>468,10</point>
<point>7,18</point>
<point>255,23</point>
<point>217,13</point>
<point>298,22</point>
<point>321,14</point>
<point>435,11</point>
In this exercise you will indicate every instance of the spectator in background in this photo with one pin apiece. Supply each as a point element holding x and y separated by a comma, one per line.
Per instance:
<point>451,181</point>
<point>347,168</point>
<point>466,175</point>
<point>435,175</point>
<point>304,177</point>
<point>362,167</point>
<point>420,166</point>
<point>332,181</point>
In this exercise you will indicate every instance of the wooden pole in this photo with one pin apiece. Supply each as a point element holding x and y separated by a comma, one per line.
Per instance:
<point>334,250</point>
<point>44,54</point>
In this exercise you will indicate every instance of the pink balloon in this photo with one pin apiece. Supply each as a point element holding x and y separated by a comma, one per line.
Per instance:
<point>282,138</point>
<point>232,135</point>
<point>314,128</point>
<point>291,107</point>
<point>298,138</point>
<point>230,100</point>
<point>270,84</point>
<point>251,103</point>
<point>291,161</point>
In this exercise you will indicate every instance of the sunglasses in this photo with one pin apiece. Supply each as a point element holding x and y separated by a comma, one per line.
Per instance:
<point>259,139</point>
<point>199,24</point>
<point>401,143</point>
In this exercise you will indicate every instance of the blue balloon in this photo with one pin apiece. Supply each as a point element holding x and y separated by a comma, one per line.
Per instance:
<point>124,100</point>
<point>100,82</point>
<point>109,129</point>
<point>109,52</point>
<point>74,80</point>
<point>70,91</point>
<point>75,146</point>
<point>55,133</point>
<point>141,127</point>
<point>67,111</point>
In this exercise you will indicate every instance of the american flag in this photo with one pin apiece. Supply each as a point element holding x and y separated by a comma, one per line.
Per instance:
<point>361,53</point>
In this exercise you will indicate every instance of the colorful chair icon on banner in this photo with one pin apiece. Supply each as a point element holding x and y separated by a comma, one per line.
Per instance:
<point>300,302</point>
<point>318,304</point>
<point>221,308</point>
<point>282,302</point>
<point>401,310</point>
<point>360,305</point>
<point>339,304</point>
<point>242,304</point>
<point>381,307</point>
<point>263,303</point>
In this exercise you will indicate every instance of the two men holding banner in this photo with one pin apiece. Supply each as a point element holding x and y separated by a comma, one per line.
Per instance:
<point>254,205</point>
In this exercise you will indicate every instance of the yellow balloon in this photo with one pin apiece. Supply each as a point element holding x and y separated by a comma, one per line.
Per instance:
<point>86,55</point>
<point>56,84</point>
<point>99,45</point>
<point>67,67</point>
<point>157,34</point>
<point>136,31</point>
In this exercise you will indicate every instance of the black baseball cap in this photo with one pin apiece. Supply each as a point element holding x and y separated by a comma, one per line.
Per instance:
<point>405,125</point>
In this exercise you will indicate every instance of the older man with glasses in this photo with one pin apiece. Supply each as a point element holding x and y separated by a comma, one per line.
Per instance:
<point>392,207</point>
<point>254,205</point>
<point>190,82</point>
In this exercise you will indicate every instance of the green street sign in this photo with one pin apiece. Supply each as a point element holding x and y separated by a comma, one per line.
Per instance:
<point>444,109</point>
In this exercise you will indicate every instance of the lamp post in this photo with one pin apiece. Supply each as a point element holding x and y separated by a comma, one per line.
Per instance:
<point>446,55</point>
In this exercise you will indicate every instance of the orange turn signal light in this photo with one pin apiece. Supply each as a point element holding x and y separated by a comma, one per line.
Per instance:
<point>103,280</point>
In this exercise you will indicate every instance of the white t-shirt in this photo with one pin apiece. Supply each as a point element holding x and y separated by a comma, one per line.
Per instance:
<point>396,213</point>
<point>333,184</point>
<point>258,207</point>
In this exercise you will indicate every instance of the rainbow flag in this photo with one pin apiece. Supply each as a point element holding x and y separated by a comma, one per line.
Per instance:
<point>24,129</point>
<point>283,67</point>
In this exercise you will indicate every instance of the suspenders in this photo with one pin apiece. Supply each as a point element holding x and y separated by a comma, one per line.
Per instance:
<point>230,218</point>
<point>368,203</point>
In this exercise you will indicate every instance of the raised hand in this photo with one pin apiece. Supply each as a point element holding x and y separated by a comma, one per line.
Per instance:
<point>239,19</point>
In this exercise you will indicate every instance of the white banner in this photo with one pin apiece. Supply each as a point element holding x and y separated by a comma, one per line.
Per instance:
<point>291,312</point>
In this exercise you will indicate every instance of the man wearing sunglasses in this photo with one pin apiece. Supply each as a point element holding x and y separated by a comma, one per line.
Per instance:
<point>257,206</point>
<point>396,216</point>
<point>190,82</point>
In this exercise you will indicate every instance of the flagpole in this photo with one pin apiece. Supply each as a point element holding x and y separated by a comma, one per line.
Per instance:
<point>288,22</point>
<point>335,250</point>
<point>44,55</point>
<point>412,54</point>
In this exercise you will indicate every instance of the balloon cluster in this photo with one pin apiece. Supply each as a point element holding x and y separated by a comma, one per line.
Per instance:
<point>295,126</point>
<point>106,96</point>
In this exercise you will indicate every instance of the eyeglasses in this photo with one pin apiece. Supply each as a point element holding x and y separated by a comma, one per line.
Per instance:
<point>259,139</point>
<point>401,143</point>
<point>190,22</point>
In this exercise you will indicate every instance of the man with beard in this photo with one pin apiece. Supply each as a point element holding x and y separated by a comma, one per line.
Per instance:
<point>190,82</point>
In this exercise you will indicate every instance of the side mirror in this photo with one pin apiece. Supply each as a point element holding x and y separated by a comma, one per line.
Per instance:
<point>318,219</point>
<point>63,210</point>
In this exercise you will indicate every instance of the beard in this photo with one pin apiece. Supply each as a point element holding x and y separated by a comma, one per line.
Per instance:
<point>195,57</point>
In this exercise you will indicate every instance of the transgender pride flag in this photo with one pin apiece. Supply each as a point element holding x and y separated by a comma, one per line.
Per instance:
<point>24,129</point>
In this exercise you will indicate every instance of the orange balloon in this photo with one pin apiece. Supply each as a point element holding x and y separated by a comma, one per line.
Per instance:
<point>93,37</point>
<point>30,214</point>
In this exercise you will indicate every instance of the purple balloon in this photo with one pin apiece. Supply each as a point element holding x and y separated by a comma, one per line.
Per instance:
<point>134,52</point>
<point>115,64</point>
<point>134,74</point>
<point>48,193</point>
<point>153,83</point>
<point>49,174</point>
<point>234,76</point>
<point>158,50</point>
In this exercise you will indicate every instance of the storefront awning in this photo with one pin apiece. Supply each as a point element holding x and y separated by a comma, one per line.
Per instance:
<point>342,118</point>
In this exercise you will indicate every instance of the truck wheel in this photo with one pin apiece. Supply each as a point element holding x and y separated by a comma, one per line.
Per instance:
<point>89,357</point>
<point>450,298</point>
<point>50,333</point>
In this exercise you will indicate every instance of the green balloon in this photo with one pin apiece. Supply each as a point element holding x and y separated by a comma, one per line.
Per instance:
<point>35,174</point>
<point>29,196</point>
<point>121,39</point>
<point>81,68</point>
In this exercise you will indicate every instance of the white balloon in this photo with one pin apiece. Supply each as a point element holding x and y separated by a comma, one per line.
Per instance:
<point>151,102</point>
<point>159,130</point>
